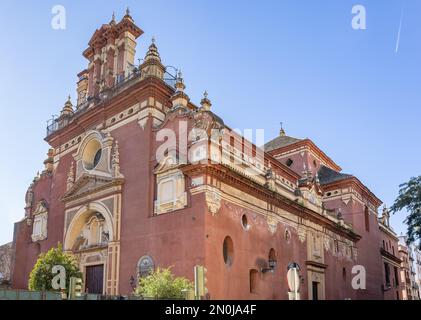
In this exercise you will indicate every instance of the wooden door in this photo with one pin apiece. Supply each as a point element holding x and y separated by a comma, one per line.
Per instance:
<point>94,279</point>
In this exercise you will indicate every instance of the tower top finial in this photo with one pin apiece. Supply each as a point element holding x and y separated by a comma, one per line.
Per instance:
<point>127,11</point>
<point>206,103</point>
<point>68,108</point>
<point>180,82</point>
<point>153,53</point>
<point>69,101</point>
<point>113,18</point>
<point>282,131</point>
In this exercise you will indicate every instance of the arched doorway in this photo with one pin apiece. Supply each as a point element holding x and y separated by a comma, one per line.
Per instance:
<point>87,238</point>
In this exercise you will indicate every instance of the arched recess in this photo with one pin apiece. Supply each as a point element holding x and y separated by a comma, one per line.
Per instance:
<point>92,143</point>
<point>90,136</point>
<point>82,217</point>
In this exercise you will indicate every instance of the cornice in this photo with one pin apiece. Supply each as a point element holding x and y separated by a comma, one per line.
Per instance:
<point>98,114</point>
<point>354,182</point>
<point>390,256</point>
<point>272,198</point>
<point>313,147</point>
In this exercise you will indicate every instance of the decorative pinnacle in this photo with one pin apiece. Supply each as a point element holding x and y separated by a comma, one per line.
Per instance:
<point>282,131</point>
<point>127,11</point>
<point>206,103</point>
<point>180,83</point>
<point>153,53</point>
<point>68,102</point>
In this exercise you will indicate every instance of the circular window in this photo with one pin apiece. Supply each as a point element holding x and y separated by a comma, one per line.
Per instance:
<point>92,154</point>
<point>228,251</point>
<point>244,222</point>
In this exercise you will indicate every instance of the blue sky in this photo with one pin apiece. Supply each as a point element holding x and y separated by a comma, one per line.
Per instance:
<point>262,62</point>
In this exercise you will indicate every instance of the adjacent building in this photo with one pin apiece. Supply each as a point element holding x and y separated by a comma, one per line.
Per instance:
<point>409,285</point>
<point>139,176</point>
<point>389,249</point>
<point>417,267</point>
<point>6,257</point>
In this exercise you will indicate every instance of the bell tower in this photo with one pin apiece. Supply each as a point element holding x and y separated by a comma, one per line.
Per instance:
<point>110,54</point>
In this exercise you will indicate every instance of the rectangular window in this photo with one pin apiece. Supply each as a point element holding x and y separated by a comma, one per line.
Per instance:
<point>37,227</point>
<point>395,269</point>
<point>254,152</point>
<point>367,219</point>
<point>315,290</point>
<point>254,274</point>
<point>167,191</point>
<point>232,143</point>
<point>387,274</point>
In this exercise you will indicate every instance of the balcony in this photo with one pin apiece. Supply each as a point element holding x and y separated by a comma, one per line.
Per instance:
<point>55,123</point>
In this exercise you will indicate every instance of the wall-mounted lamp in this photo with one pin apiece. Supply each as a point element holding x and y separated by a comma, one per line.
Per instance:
<point>132,283</point>
<point>272,266</point>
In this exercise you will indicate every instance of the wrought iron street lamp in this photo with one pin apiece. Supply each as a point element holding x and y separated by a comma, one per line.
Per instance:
<point>132,283</point>
<point>272,264</point>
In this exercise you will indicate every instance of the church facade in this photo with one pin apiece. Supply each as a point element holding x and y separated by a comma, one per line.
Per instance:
<point>140,177</point>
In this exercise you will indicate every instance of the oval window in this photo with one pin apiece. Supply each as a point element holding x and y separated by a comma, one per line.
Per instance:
<point>228,251</point>
<point>92,154</point>
<point>244,222</point>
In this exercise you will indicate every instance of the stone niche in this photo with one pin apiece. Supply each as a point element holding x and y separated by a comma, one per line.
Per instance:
<point>40,222</point>
<point>170,186</point>
<point>94,155</point>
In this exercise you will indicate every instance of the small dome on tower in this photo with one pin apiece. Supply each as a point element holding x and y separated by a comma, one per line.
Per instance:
<point>206,104</point>
<point>68,108</point>
<point>127,16</point>
<point>113,22</point>
<point>179,84</point>
<point>153,53</point>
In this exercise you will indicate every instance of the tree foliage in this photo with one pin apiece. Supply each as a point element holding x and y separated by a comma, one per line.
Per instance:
<point>162,284</point>
<point>41,275</point>
<point>410,199</point>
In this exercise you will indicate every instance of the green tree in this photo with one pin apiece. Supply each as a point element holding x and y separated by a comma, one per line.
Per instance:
<point>41,275</point>
<point>162,284</point>
<point>410,199</point>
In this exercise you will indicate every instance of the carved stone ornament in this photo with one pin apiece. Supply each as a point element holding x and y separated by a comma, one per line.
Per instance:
<point>213,201</point>
<point>327,243</point>
<point>40,217</point>
<point>355,253</point>
<point>272,224</point>
<point>302,234</point>
<point>145,266</point>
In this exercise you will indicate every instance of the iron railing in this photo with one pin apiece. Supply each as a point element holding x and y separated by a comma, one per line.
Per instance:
<point>55,123</point>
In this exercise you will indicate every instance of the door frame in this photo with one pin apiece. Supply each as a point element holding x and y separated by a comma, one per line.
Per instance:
<point>94,264</point>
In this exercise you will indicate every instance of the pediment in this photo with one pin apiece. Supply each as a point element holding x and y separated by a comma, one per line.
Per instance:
<point>41,207</point>
<point>89,184</point>
<point>166,164</point>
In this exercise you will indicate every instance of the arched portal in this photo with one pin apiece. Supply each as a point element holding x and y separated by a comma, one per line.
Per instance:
<point>91,226</point>
<point>88,237</point>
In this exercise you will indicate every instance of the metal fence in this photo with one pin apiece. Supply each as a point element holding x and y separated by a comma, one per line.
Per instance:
<point>28,295</point>
<point>54,124</point>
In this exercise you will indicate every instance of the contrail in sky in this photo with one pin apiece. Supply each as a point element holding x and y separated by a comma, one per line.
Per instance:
<point>399,33</point>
